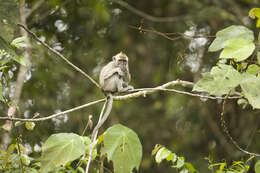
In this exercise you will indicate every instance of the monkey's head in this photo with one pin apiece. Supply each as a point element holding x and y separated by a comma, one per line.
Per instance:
<point>121,60</point>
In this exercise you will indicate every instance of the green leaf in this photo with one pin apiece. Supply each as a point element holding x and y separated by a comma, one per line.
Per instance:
<point>18,42</point>
<point>251,87</point>
<point>242,102</point>
<point>87,142</point>
<point>180,162</point>
<point>258,58</point>
<point>3,67</point>
<point>30,125</point>
<point>220,80</point>
<point>229,33</point>
<point>59,149</point>
<point>162,154</point>
<point>253,69</point>
<point>25,159</point>
<point>254,12</point>
<point>18,123</point>
<point>238,48</point>
<point>190,167</point>
<point>1,93</point>
<point>259,37</point>
<point>123,147</point>
<point>156,149</point>
<point>20,59</point>
<point>257,167</point>
<point>184,170</point>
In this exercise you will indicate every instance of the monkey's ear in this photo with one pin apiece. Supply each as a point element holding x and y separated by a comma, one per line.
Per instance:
<point>114,58</point>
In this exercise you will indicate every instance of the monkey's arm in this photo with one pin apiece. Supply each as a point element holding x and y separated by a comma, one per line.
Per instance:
<point>112,72</point>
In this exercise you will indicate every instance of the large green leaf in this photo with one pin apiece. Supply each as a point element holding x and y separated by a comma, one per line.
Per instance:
<point>257,167</point>
<point>229,33</point>
<point>123,147</point>
<point>220,80</point>
<point>251,87</point>
<point>258,58</point>
<point>61,148</point>
<point>238,48</point>
<point>253,69</point>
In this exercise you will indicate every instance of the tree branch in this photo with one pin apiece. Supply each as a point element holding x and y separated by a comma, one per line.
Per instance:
<point>59,54</point>
<point>53,115</point>
<point>225,129</point>
<point>145,15</point>
<point>167,35</point>
<point>137,93</point>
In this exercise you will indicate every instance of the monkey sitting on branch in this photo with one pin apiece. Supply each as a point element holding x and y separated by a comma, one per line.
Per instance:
<point>113,78</point>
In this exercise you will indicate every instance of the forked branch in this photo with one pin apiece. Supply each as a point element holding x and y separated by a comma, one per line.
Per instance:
<point>59,54</point>
<point>136,93</point>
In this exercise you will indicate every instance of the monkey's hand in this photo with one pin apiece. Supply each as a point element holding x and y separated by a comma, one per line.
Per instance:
<point>120,72</point>
<point>112,72</point>
<point>130,87</point>
<point>127,87</point>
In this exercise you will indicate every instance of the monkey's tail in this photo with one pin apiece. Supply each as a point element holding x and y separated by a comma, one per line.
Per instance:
<point>105,116</point>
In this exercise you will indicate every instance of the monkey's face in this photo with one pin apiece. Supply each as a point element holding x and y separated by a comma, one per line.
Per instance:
<point>121,62</point>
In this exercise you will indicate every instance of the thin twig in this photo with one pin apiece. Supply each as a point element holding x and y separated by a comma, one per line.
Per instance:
<point>145,15</point>
<point>225,129</point>
<point>167,35</point>
<point>137,93</point>
<point>59,55</point>
<point>19,153</point>
<point>191,94</point>
<point>53,115</point>
<point>17,138</point>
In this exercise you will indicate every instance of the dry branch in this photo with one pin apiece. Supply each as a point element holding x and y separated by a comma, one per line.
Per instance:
<point>137,93</point>
<point>145,15</point>
<point>59,55</point>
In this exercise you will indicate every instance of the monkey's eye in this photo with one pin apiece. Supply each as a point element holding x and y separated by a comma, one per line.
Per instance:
<point>122,60</point>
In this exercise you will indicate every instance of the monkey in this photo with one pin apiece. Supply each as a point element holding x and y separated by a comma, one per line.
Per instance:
<point>113,78</point>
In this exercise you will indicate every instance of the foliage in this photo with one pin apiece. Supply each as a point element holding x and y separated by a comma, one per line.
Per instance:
<point>95,27</point>
<point>123,147</point>
<point>235,167</point>
<point>223,79</point>
<point>161,153</point>
<point>60,149</point>
<point>255,13</point>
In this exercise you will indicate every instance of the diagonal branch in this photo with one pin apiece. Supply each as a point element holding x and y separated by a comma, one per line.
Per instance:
<point>137,93</point>
<point>59,55</point>
<point>145,15</point>
<point>53,115</point>
<point>168,35</point>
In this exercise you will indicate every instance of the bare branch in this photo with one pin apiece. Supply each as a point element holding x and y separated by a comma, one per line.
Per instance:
<point>167,35</point>
<point>225,129</point>
<point>137,93</point>
<point>59,54</point>
<point>145,15</point>
<point>53,115</point>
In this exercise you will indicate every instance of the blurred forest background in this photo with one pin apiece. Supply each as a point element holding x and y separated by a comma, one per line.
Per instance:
<point>89,33</point>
